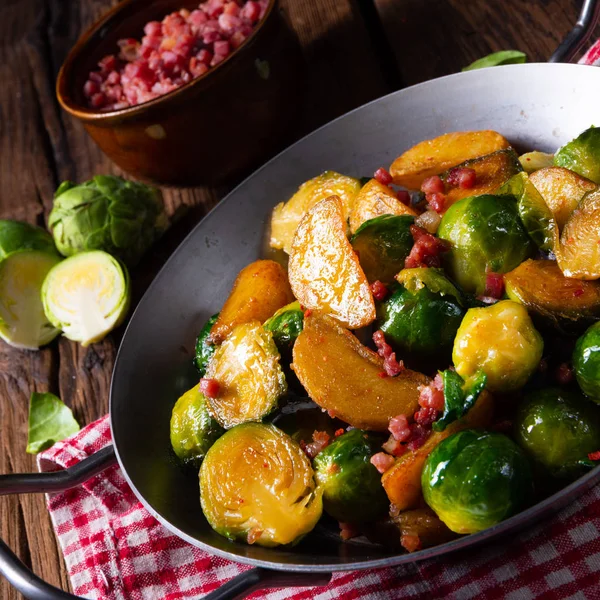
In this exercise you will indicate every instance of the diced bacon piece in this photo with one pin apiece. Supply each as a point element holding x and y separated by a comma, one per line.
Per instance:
<point>432,395</point>
<point>400,428</point>
<point>321,439</point>
<point>379,290</point>
<point>494,285</point>
<point>382,461</point>
<point>564,374</point>
<point>90,88</point>
<point>462,177</point>
<point>594,455</point>
<point>229,22</point>
<point>426,249</point>
<point>426,416</point>
<point>197,67</point>
<point>383,176</point>
<point>252,11</point>
<point>153,29</point>
<point>433,185</point>
<point>237,39</point>
<point>404,197</point>
<point>437,201</point>
<point>410,543</point>
<point>210,387</point>
<point>98,100</point>
<point>419,436</point>
<point>394,447</point>
<point>391,365</point>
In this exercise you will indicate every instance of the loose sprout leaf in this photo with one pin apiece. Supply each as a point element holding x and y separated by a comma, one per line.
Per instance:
<point>431,278</point>
<point>50,421</point>
<point>582,154</point>
<point>536,160</point>
<point>504,57</point>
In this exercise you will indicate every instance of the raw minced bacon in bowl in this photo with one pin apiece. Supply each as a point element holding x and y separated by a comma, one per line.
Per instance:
<point>181,47</point>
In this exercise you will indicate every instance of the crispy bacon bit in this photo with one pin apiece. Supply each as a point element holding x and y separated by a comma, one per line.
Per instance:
<point>411,543</point>
<point>432,395</point>
<point>426,249</point>
<point>400,428</point>
<point>463,177</point>
<point>391,366</point>
<point>394,447</point>
<point>383,176</point>
<point>578,292</point>
<point>436,201</point>
<point>339,432</point>
<point>348,531</point>
<point>253,535</point>
<point>564,374</point>
<point>403,196</point>
<point>594,455</point>
<point>494,285</point>
<point>433,185</point>
<point>426,416</point>
<point>382,461</point>
<point>210,387</point>
<point>321,439</point>
<point>379,290</point>
<point>419,436</point>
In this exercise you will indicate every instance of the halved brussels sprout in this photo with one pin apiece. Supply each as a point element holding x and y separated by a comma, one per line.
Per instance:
<point>543,289</point>
<point>491,170</point>
<point>586,362</point>
<point>558,429</point>
<point>501,341</point>
<point>257,486</point>
<point>251,380</point>
<point>474,480</point>
<point>286,325</point>
<point>485,233</point>
<point>87,295</point>
<point>351,485</point>
<point>16,236</point>
<point>433,279</point>
<point>582,154</point>
<point>205,347</point>
<point>287,215</point>
<point>421,324</point>
<point>382,245</point>
<point>193,430</point>
<point>23,323</point>
<point>533,161</point>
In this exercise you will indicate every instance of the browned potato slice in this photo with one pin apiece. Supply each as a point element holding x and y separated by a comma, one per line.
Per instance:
<point>424,526</point>
<point>432,157</point>
<point>344,377</point>
<point>492,171</point>
<point>402,482</point>
<point>562,190</point>
<point>374,200</point>
<point>579,252</point>
<point>324,270</point>
<point>259,290</point>
<point>286,216</point>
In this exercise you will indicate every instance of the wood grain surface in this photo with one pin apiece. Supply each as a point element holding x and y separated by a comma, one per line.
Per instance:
<point>355,51</point>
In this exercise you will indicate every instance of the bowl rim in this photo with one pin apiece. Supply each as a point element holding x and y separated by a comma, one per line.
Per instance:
<point>87,114</point>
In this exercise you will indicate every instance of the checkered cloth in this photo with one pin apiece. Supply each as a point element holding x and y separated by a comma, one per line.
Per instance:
<point>115,550</point>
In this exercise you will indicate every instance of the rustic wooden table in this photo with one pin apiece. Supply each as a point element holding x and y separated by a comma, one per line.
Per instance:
<point>356,50</point>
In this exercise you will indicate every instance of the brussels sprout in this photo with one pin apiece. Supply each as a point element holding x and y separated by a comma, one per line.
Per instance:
<point>558,429</point>
<point>501,341</point>
<point>586,362</point>
<point>87,296</point>
<point>351,485</point>
<point>433,279</point>
<point>286,325</point>
<point>193,430</point>
<point>16,236</point>
<point>474,480</point>
<point>204,346</point>
<point>582,154</point>
<point>382,245</point>
<point>485,233</point>
<point>422,323</point>
<point>107,213</point>
<point>251,380</point>
<point>257,486</point>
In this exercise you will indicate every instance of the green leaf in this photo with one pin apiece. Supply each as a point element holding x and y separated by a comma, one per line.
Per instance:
<point>504,57</point>
<point>459,396</point>
<point>50,421</point>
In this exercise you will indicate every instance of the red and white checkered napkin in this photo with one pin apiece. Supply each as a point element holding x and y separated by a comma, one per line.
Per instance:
<point>115,550</point>
<point>592,56</point>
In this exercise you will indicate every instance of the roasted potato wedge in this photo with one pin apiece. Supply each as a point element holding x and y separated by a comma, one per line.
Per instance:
<point>493,170</point>
<point>543,289</point>
<point>375,200</point>
<point>562,190</point>
<point>324,271</point>
<point>344,377</point>
<point>579,252</point>
<point>259,290</point>
<point>287,215</point>
<point>432,157</point>
<point>402,482</point>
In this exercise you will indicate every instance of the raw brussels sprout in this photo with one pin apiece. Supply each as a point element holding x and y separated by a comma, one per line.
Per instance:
<point>246,366</point>
<point>382,245</point>
<point>422,323</point>
<point>351,485</point>
<point>16,236</point>
<point>558,429</point>
<point>257,486</point>
<point>474,480</point>
<point>204,346</point>
<point>586,362</point>
<point>108,213</point>
<point>193,430</point>
<point>501,341</point>
<point>286,325</point>
<point>87,295</point>
<point>582,154</point>
<point>485,233</point>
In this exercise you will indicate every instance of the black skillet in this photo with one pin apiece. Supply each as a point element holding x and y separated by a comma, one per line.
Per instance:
<point>537,106</point>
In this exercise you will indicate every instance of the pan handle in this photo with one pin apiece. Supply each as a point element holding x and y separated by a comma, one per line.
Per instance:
<point>580,34</point>
<point>34,588</point>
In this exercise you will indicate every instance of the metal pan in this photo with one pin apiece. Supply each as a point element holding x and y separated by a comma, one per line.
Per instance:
<point>536,106</point>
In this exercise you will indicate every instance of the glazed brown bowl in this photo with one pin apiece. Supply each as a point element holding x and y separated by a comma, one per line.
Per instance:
<point>211,129</point>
